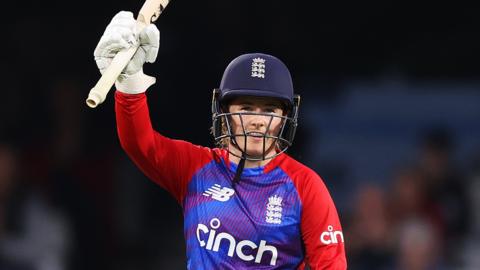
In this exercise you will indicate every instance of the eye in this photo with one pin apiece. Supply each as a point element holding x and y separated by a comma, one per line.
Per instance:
<point>246,108</point>
<point>270,110</point>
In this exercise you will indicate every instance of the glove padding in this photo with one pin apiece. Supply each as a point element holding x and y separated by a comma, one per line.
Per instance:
<point>121,34</point>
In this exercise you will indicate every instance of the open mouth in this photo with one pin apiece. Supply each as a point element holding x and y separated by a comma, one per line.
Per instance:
<point>255,134</point>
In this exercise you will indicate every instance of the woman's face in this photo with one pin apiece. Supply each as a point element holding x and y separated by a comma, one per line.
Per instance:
<point>255,126</point>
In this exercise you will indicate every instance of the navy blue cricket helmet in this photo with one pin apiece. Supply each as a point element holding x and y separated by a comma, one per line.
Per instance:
<point>257,75</point>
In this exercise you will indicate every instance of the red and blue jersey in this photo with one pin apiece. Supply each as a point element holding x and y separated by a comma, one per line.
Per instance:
<point>279,216</point>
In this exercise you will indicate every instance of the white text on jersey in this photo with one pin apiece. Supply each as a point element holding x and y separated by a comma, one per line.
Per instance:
<point>214,240</point>
<point>331,236</point>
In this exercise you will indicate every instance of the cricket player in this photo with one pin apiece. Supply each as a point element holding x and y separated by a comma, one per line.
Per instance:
<point>246,204</point>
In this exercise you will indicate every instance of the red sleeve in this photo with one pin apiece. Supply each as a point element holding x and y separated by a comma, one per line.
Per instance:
<point>169,163</point>
<point>321,229</point>
<point>320,226</point>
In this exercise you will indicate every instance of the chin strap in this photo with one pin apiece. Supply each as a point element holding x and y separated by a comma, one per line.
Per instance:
<point>239,171</point>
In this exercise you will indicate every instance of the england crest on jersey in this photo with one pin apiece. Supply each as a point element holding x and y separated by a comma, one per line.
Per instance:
<point>273,213</point>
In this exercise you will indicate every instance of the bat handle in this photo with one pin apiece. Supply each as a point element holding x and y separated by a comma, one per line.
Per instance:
<point>98,93</point>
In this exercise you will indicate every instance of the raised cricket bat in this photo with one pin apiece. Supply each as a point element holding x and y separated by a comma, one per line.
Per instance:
<point>149,13</point>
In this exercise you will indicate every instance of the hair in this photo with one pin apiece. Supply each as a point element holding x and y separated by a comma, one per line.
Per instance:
<point>223,143</point>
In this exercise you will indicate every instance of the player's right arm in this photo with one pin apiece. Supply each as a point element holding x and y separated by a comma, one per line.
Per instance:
<point>170,163</point>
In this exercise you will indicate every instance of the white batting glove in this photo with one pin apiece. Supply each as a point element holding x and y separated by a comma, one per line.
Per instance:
<point>121,34</point>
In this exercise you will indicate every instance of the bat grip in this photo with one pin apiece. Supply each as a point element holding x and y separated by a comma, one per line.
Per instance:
<point>99,92</point>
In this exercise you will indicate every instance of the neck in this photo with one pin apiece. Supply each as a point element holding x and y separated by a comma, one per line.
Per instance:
<point>249,163</point>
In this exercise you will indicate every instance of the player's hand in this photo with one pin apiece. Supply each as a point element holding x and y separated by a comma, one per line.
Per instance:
<point>121,34</point>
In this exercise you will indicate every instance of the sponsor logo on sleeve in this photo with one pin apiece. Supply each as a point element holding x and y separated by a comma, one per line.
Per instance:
<point>330,236</point>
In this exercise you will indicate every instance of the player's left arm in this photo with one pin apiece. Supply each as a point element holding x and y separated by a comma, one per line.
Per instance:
<point>320,225</point>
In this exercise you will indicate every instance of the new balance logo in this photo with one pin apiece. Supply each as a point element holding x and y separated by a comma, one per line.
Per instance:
<point>258,68</point>
<point>219,193</point>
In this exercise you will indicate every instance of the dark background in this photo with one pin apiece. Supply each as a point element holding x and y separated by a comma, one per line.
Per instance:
<point>389,119</point>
